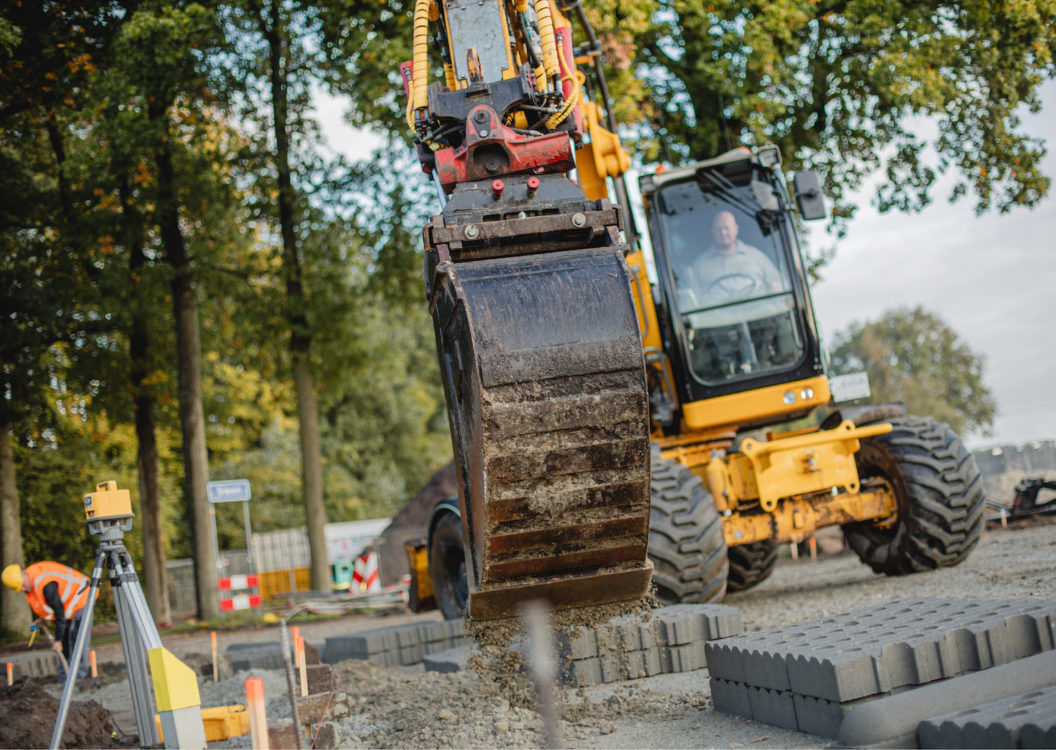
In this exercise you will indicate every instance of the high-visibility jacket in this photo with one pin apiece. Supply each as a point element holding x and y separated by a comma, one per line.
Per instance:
<point>73,589</point>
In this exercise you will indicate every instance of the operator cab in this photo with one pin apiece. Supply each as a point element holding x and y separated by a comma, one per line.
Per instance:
<point>737,311</point>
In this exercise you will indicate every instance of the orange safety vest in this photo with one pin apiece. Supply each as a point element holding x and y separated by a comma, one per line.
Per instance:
<point>73,589</point>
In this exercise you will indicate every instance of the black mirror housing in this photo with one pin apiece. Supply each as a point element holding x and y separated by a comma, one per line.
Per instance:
<point>809,199</point>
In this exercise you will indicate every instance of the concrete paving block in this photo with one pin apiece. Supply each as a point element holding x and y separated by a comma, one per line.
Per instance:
<point>257,659</point>
<point>819,716</point>
<point>724,660</point>
<point>836,675</point>
<point>435,647</point>
<point>726,622</point>
<point>686,658</point>
<point>1035,737</point>
<point>578,643</point>
<point>320,678</point>
<point>999,723</point>
<point>446,662</point>
<point>407,636</point>
<point>766,668</point>
<point>730,697</point>
<point>250,646</point>
<point>313,707</point>
<point>432,632</point>
<point>895,718</point>
<point>410,655</point>
<point>586,672</point>
<point>683,623</point>
<point>773,707</point>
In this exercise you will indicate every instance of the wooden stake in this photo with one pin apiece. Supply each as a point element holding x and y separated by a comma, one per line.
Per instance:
<point>216,671</point>
<point>258,720</point>
<point>94,667</point>
<point>813,549</point>
<point>10,674</point>
<point>302,665</point>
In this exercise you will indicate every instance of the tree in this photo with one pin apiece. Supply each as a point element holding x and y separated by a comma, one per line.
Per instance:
<point>914,357</point>
<point>841,86</point>
<point>161,50</point>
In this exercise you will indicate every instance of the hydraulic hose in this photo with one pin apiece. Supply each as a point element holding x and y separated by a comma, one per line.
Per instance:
<point>419,98</point>
<point>546,38</point>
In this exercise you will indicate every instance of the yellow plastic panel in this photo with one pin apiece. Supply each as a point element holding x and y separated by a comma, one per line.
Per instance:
<point>175,684</point>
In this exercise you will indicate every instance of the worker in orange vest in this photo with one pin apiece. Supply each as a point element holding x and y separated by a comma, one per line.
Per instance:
<point>57,593</point>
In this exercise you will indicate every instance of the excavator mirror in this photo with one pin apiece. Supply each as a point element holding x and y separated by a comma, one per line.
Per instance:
<point>811,202</point>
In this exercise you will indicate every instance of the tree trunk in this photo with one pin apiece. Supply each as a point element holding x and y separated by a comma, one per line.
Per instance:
<point>189,354</point>
<point>143,404</point>
<point>296,305</point>
<point>14,613</point>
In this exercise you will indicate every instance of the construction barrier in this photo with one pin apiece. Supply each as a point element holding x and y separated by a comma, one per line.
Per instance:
<point>243,600</point>
<point>365,576</point>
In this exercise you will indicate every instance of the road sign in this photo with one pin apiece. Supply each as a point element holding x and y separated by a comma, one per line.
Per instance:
<point>228,491</point>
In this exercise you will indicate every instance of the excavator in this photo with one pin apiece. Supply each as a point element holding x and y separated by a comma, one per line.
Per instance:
<point>613,435</point>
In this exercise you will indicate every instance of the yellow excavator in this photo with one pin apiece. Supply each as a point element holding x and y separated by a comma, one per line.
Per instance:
<point>610,433</point>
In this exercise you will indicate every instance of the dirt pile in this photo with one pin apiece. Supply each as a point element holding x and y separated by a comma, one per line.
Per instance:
<point>412,522</point>
<point>29,718</point>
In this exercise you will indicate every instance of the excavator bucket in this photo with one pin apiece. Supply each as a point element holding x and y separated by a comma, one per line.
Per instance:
<point>544,376</point>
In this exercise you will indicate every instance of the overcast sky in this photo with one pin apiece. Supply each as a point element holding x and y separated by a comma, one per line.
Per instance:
<point>992,279</point>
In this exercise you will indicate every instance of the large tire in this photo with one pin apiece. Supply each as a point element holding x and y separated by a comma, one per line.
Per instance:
<point>939,493</point>
<point>751,564</point>
<point>447,566</point>
<point>686,543</point>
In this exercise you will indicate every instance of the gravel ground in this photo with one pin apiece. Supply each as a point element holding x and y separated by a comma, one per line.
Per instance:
<point>405,707</point>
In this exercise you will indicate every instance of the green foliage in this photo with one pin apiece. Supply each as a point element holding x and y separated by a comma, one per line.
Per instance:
<point>842,86</point>
<point>914,357</point>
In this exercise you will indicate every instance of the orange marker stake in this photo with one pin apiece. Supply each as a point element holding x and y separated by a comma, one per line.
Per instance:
<point>10,674</point>
<point>813,549</point>
<point>216,671</point>
<point>91,661</point>
<point>258,720</point>
<point>295,633</point>
<point>302,665</point>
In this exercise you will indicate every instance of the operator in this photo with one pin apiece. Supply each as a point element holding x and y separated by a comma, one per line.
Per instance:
<point>731,270</point>
<point>59,593</point>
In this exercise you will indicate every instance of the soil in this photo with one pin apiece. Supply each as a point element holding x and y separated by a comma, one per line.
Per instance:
<point>412,522</point>
<point>406,707</point>
<point>26,704</point>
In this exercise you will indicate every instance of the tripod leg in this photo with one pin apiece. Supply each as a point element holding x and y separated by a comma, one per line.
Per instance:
<point>78,649</point>
<point>132,645</point>
<point>175,684</point>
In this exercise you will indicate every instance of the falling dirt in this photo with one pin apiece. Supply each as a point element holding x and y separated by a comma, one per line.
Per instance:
<point>28,720</point>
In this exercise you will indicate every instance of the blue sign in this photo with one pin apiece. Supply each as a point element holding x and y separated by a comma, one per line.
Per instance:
<point>228,491</point>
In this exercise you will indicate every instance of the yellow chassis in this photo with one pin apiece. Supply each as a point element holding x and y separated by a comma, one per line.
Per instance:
<point>785,488</point>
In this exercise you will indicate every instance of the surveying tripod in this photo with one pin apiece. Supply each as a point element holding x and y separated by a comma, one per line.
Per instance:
<point>109,516</point>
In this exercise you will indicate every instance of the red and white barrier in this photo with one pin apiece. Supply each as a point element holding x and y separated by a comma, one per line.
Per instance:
<point>365,577</point>
<point>243,600</point>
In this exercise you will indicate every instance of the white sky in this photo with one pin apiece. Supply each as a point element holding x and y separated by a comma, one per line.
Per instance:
<point>992,279</point>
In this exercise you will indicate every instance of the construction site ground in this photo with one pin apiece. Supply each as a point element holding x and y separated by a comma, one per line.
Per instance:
<point>407,707</point>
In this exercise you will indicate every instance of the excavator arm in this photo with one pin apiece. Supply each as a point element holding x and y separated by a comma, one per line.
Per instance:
<point>531,297</point>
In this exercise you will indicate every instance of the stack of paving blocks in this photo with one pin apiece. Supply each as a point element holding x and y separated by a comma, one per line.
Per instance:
<point>34,664</point>
<point>402,645</point>
<point>260,655</point>
<point>807,677</point>
<point>669,640</point>
<point>1027,721</point>
<point>264,655</point>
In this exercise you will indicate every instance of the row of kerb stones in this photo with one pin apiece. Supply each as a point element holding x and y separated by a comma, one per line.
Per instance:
<point>807,677</point>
